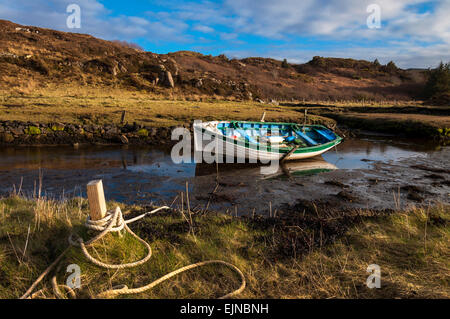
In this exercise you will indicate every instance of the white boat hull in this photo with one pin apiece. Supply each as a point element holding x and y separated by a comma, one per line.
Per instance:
<point>225,151</point>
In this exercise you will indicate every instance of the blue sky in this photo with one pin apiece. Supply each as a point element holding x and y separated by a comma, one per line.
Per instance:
<point>413,33</point>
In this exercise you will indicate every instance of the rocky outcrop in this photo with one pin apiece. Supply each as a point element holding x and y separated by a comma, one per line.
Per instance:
<point>167,79</point>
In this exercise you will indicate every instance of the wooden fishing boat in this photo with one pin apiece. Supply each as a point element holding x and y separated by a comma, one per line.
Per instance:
<point>264,140</point>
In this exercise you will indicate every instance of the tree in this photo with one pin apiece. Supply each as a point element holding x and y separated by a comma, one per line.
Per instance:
<point>391,67</point>
<point>376,63</point>
<point>285,64</point>
<point>438,84</point>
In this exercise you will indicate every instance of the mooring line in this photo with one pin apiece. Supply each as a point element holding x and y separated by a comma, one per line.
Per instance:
<point>114,222</point>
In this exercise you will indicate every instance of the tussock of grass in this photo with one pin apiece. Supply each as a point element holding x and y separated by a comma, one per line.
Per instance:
<point>411,247</point>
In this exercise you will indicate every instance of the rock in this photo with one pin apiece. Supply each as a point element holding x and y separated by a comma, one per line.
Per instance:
<point>167,79</point>
<point>142,132</point>
<point>198,83</point>
<point>33,130</point>
<point>58,127</point>
<point>16,130</point>
<point>6,137</point>
<point>112,130</point>
<point>124,139</point>
<point>161,68</point>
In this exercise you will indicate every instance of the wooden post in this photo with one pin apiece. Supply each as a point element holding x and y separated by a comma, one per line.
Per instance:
<point>122,119</point>
<point>304,120</point>
<point>263,116</point>
<point>96,197</point>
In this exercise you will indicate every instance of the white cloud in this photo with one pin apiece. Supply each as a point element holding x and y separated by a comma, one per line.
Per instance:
<point>95,20</point>
<point>203,28</point>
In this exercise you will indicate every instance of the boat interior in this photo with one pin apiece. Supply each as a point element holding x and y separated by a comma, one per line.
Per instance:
<point>277,133</point>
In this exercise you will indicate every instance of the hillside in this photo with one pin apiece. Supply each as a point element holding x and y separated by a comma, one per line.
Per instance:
<point>32,57</point>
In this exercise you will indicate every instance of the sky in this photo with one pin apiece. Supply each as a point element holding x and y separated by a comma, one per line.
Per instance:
<point>412,33</point>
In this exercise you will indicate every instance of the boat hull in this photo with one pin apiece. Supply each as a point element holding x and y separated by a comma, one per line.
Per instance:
<point>225,150</point>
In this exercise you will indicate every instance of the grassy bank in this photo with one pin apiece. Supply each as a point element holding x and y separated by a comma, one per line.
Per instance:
<point>295,255</point>
<point>95,106</point>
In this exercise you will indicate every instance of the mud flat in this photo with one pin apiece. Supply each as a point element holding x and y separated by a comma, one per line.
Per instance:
<point>371,172</point>
<point>416,181</point>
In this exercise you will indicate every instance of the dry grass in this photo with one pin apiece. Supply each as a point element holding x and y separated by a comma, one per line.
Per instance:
<point>75,105</point>
<point>103,106</point>
<point>411,247</point>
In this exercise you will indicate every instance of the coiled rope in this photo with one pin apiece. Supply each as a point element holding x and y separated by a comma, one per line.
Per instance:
<point>114,222</point>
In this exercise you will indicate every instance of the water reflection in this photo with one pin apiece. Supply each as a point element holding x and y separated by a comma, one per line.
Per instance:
<point>291,168</point>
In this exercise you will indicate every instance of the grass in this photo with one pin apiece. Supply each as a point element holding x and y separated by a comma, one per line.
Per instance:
<point>102,106</point>
<point>411,247</point>
<point>105,105</point>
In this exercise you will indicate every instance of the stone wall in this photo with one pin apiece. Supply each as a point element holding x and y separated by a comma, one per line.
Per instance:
<point>32,133</point>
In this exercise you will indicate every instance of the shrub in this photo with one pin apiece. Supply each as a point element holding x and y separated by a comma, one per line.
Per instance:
<point>285,64</point>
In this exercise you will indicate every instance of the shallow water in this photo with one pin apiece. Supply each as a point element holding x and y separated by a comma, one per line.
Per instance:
<point>139,174</point>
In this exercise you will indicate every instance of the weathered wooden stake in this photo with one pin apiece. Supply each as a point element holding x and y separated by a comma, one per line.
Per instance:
<point>263,116</point>
<point>122,119</point>
<point>96,197</point>
<point>304,120</point>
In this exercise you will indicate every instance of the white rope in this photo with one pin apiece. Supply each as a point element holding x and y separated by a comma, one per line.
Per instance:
<point>114,222</point>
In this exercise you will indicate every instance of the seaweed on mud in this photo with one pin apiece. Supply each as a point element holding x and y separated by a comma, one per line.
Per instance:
<point>434,176</point>
<point>412,189</point>
<point>347,196</point>
<point>217,197</point>
<point>305,225</point>
<point>414,192</point>
<point>336,183</point>
<point>431,169</point>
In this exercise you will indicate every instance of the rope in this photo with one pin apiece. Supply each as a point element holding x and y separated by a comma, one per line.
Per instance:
<point>114,222</point>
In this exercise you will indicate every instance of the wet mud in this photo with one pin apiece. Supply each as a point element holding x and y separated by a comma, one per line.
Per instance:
<point>375,174</point>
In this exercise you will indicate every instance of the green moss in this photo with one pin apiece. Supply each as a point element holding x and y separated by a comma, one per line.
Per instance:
<point>57,127</point>
<point>142,132</point>
<point>33,130</point>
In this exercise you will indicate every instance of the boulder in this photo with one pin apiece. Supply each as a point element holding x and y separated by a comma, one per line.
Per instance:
<point>167,79</point>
